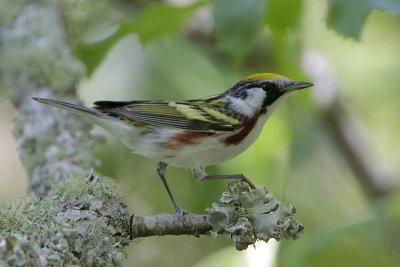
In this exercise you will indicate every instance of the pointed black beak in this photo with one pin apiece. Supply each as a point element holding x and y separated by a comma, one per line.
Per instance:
<point>294,86</point>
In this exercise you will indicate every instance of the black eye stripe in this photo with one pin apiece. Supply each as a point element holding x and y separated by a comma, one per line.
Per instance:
<point>272,90</point>
<point>272,96</point>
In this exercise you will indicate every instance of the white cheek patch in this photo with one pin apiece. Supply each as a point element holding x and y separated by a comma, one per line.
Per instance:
<point>251,104</point>
<point>255,97</point>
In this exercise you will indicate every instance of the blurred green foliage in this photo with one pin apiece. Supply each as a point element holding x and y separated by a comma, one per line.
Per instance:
<point>288,9</point>
<point>237,24</point>
<point>205,47</point>
<point>151,22</point>
<point>348,17</point>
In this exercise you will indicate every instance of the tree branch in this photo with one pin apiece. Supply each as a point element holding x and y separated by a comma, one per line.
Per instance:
<point>83,221</point>
<point>166,224</point>
<point>242,213</point>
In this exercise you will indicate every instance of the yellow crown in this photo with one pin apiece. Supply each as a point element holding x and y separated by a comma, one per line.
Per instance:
<point>263,76</point>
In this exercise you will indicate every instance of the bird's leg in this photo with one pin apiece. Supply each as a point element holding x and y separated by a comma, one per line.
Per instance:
<point>160,168</point>
<point>232,177</point>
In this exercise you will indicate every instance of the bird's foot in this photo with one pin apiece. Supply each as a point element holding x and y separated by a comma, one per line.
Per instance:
<point>243,178</point>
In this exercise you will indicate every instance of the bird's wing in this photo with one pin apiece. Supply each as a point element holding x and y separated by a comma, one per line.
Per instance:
<point>195,115</point>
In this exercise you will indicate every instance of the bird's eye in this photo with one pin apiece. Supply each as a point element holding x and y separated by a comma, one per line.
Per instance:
<point>267,86</point>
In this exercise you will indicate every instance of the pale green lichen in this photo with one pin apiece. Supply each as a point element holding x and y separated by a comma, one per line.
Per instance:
<point>81,222</point>
<point>37,43</point>
<point>53,145</point>
<point>78,219</point>
<point>8,15</point>
<point>246,215</point>
<point>37,51</point>
<point>150,222</point>
<point>37,60</point>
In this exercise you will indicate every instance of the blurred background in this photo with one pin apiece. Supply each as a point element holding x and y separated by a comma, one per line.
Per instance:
<point>332,150</point>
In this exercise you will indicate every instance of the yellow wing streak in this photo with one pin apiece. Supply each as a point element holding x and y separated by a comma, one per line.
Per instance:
<point>189,112</point>
<point>220,116</point>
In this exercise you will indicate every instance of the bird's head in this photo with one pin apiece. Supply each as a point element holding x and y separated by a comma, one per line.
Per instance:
<point>263,89</point>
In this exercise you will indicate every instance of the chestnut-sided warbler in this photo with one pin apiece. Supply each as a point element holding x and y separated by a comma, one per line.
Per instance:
<point>193,133</point>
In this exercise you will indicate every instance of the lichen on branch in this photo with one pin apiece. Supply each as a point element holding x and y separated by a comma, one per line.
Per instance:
<point>242,214</point>
<point>81,221</point>
<point>246,215</point>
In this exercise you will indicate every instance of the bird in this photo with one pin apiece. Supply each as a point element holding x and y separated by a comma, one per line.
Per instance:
<point>192,133</point>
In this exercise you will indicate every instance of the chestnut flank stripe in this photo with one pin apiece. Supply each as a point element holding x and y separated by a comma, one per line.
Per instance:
<point>186,138</point>
<point>248,125</point>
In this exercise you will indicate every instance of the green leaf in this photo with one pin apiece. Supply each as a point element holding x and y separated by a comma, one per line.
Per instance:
<point>153,21</point>
<point>237,23</point>
<point>283,14</point>
<point>347,17</point>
